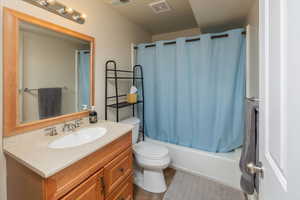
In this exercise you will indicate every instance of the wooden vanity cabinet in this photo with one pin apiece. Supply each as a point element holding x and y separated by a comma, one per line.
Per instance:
<point>103,175</point>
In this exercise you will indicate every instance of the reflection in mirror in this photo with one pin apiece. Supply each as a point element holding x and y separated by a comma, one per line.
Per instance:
<point>54,73</point>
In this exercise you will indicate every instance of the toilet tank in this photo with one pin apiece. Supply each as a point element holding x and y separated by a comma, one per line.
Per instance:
<point>135,122</point>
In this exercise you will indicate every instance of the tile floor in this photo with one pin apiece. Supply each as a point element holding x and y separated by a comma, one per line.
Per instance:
<point>140,194</point>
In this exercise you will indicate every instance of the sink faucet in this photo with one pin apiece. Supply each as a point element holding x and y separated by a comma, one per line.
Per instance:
<point>72,126</point>
<point>78,123</point>
<point>52,131</point>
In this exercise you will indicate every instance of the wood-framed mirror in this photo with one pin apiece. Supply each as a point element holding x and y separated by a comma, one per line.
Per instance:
<point>48,73</point>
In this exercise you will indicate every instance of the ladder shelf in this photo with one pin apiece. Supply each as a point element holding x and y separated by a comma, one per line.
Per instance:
<point>112,73</point>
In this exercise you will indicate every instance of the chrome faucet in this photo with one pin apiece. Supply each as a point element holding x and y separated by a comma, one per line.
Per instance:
<point>68,127</point>
<point>72,126</point>
<point>78,123</point>
<point>52,131</point>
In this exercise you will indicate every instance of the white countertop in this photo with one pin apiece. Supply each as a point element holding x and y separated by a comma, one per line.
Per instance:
<point>31,149</point>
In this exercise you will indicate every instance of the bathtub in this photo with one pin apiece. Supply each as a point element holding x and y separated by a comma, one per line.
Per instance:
<point>221,167</point>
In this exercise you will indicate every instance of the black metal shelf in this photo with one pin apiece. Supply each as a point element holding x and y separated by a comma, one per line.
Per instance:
<point>122,104</point>
<point>118,70</point>
<point>122,95</point>
<point>129,78</point>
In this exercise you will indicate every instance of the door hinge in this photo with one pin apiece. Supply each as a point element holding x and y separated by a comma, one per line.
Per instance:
<point>256,169</point>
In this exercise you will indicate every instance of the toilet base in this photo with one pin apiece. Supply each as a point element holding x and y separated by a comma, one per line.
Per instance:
<point>150,180</point>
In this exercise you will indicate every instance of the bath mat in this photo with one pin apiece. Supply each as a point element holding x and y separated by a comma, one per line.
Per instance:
<point>186,186</point>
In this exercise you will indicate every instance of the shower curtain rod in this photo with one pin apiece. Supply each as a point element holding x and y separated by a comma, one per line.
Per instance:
<point>191,40</point>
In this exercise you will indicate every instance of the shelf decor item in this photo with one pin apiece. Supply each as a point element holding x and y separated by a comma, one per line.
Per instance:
<point>132,98</point>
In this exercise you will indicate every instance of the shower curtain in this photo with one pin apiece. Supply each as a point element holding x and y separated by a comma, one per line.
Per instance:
<point>83,78</point>
<point>194,91</point>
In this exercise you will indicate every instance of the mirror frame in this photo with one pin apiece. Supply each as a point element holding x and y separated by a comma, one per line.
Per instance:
<point>12,125</point>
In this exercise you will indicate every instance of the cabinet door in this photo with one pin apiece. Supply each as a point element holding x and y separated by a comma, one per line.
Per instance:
<point>124,191</point>
<point>91,189</point>
<point>117,170</point>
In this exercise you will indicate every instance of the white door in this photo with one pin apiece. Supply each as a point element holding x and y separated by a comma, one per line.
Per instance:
<point>280,99</point>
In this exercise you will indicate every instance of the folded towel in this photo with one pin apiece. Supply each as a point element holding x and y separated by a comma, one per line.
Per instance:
<point>49,100</point>
<point>250,147</point>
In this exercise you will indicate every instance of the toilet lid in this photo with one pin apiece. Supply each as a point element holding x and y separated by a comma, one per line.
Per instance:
<point>150,150</point>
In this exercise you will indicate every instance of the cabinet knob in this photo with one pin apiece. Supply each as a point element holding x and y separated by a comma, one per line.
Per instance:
<point>121,169</point>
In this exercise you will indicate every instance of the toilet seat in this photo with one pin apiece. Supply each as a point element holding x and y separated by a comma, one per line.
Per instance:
<point>150,151</point>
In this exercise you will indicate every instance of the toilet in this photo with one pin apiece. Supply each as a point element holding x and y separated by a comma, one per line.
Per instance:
<point>150,161</point>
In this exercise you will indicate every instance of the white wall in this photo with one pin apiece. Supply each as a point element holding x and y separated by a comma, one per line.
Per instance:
<point>253,51</point>
<point>113,34</point>
<point>174,35</point>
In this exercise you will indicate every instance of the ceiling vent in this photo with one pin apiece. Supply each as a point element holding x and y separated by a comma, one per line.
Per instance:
<point>160,6</point>
<point>119,2</point>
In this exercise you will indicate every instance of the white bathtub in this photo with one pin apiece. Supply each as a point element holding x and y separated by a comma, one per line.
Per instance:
<point>222,167</point>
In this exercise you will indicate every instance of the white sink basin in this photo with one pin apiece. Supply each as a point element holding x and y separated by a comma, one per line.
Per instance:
<point>80,137</point>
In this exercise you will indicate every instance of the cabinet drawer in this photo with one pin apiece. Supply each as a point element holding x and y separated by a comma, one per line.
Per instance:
<point>124,191</point>
<point>117,170</point>
<point>91,189</point>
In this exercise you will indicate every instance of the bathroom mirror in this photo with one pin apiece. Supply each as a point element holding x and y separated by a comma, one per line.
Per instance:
<point>48,73</point>
<point>54,74</point>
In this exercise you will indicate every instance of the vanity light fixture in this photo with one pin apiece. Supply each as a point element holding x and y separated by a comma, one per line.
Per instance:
<point>59,9</point>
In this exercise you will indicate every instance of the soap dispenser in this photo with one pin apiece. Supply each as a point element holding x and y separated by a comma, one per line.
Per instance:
<point>93,115</point>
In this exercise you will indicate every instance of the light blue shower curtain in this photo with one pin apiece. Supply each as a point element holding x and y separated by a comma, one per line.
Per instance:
<point>194,91</point>
<point>83,78</point>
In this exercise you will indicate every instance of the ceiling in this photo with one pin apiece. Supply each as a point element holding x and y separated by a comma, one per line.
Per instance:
<point>180,17</point>
<point>219,15</point>
<point>209,15</point>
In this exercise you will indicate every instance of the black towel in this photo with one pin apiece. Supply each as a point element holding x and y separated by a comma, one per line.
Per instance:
<point>250,147</point>
<point>49,102</point>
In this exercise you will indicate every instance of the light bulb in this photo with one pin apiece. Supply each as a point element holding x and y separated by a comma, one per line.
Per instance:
<point>69,10</point>
<point>62,11</point>
<point>83,16</point>
<point>76,17</point>
<point>43,3</point>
